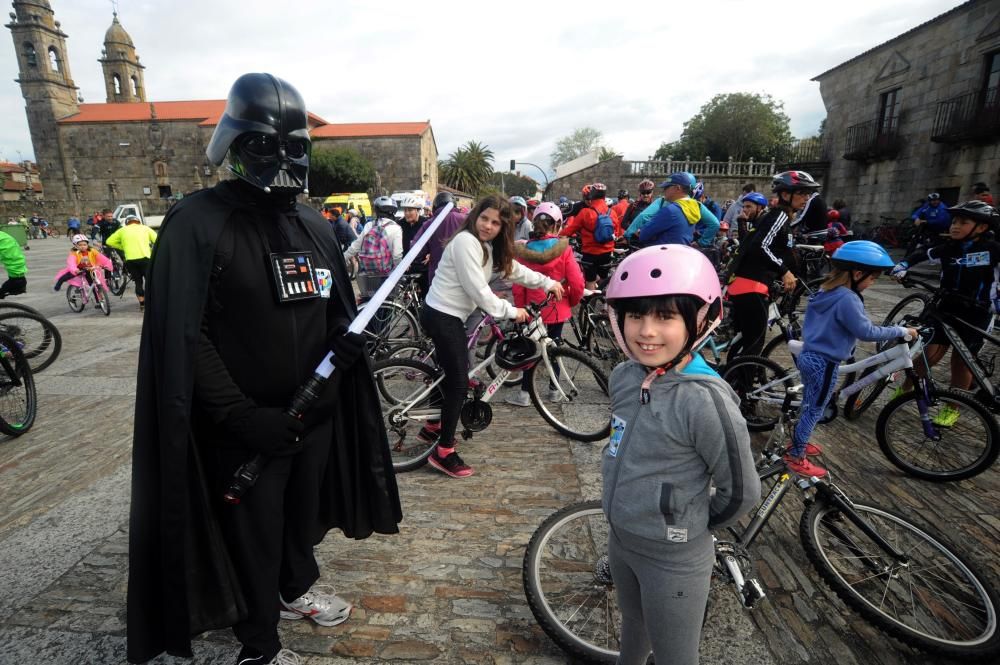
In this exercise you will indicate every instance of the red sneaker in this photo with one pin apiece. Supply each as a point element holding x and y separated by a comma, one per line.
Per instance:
<point>429,433</point>
<point>451,464</point>
<point>812,449</point>
<point>803,467</point>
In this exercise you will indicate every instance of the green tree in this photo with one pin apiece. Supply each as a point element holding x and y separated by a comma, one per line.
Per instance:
<point>606,154</point>
<point>469,168</point>
<point>339,170</point>
<point>740,125</point>
<point>580,142</point>
<point>513,184</point>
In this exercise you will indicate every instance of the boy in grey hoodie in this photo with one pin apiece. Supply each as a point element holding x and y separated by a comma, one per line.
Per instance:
<point>676,432</point>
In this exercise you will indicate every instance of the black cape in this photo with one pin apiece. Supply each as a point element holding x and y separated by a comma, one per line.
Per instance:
<point>181,579</point>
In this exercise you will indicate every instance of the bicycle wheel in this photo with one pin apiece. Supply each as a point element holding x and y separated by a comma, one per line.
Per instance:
<point>964,449</point>
<point>934,601</point>
<point>602,345</point>
<point>9,305</point>
<point>761,385</point>
<point>18,400</point>
<point>777,351</point>
<point>74,297</point>
<point>419,351</point>
<point>567,582</point>
<point>391,325</point>
<point>399,383</point>
<point>103,299</point>
<point>36,336</point>
<point>570,391</point>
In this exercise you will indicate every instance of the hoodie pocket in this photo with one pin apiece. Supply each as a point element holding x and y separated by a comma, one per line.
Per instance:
<point>666,503</point>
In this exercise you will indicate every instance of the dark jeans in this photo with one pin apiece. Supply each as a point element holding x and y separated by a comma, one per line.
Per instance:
<point>749,318</point>
<point>271,533</point>
<point>448,334</point>
<point>137,269</point>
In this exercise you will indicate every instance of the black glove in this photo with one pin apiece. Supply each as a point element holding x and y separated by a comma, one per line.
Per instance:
<point>269,431</point>
<point>347,347</point>
<point>14,286</point>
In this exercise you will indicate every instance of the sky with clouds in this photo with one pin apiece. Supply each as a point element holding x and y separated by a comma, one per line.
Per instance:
<point>516,75</point>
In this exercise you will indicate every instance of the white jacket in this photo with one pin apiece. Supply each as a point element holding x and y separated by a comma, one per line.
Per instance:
<point>393,235</point>
<point>461,281</point>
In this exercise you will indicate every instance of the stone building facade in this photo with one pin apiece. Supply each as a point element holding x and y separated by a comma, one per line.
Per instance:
<point>94,156</point>
<point>917,114</point>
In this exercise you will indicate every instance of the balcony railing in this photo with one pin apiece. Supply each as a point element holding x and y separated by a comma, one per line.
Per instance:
<point>796,154</point>
<point>872,141</point>
<point>974,116</point>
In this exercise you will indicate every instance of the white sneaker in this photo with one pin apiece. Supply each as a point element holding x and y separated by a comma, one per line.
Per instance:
<point>320,604</point>
<point>555,395</point>
<point>283,657</point>
<point>520,398</point>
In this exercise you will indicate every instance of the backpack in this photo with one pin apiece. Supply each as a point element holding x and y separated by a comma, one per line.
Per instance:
<point>375,255</point>
<point>604,229</point>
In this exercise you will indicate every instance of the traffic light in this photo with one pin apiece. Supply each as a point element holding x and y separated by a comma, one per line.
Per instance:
<point>512,162</point>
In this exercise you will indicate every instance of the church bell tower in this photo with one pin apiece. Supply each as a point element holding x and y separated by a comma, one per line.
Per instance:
<point>123,79</point>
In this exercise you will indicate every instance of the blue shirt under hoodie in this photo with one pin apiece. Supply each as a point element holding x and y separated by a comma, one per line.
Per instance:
<point>836,320</point>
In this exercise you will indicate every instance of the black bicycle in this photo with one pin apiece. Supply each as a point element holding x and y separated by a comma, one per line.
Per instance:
<point>18,399</point>
<point>37,337</point>
<point>899,576</point>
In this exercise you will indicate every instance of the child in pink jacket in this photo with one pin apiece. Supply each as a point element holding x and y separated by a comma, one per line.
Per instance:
<point>83,262</point>
<point>552,256</point>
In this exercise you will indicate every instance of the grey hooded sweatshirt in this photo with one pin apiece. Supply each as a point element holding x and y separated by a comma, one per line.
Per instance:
<point>664,456</point>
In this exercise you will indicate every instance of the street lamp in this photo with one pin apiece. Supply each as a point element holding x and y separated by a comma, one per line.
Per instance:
<point>514,162</point>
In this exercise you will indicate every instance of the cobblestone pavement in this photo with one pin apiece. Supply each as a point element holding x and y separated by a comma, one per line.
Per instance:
<point>447,589</point>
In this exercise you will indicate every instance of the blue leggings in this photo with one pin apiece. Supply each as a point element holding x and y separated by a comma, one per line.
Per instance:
<point>819,378</point>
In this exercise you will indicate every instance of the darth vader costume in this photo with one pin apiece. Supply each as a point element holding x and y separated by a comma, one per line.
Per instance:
<point>246,291</point>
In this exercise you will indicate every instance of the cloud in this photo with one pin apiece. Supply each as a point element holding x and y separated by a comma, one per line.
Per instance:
<point>517,81</point>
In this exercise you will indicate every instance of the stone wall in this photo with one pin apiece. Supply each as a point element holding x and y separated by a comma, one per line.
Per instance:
<point>940,60</point>
<point>399,161</point>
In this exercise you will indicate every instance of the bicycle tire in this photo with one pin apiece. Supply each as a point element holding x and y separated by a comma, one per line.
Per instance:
<point>885,592</point>
<point>398,381</point>
<point>18,398</point>
<point>36,336</point>
<point>978,442</point>
<point>74,298</point>
<point>602,345</point>
<point>577,574</point>
<point>778,348</point>
<point>584,412</point>
<point>747,375</point>
<point>392,324</point>
<point>103,299</point>
<point>7,304</point>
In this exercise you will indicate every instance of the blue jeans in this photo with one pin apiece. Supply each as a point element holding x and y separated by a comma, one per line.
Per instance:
<point>819,378</point>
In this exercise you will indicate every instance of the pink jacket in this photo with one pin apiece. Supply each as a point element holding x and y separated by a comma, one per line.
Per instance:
<point>553,257</point>
<point>72,269</point>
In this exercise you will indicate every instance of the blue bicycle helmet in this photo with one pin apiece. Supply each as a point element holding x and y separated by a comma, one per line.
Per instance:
<point>756,197</point>
<point>862,255</point>
<point>682,178</point>
<point>698,190</point>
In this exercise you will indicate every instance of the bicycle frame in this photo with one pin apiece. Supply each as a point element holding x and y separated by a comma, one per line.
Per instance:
<point>947,322</point>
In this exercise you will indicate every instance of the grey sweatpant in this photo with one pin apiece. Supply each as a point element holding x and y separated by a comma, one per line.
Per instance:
<point>662,595</point>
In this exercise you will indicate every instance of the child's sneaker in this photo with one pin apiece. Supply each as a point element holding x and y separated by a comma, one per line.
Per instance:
<point>520,398</point>
<point>283,657</point>
<point>554,395</point>
<point>320,604</point>
<point>429,432</point>
<point>804,467</point>
<point>812,449</point>
<point>947,416</point>
<point>450,464</point>
<point>896,392</point>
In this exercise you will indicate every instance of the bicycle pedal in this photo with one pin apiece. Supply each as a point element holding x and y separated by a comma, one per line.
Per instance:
<point>753,593</point>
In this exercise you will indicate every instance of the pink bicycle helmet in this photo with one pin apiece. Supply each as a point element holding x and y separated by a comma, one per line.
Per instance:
<point>551,209</point>
<point>666,270</point>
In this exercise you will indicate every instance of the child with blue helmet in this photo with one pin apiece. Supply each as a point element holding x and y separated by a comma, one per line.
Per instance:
<point>835,321</point>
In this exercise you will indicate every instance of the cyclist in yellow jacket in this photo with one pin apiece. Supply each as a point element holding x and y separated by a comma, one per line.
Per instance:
<point>134,240</point>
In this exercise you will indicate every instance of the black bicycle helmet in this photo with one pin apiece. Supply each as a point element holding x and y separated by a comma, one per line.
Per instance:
<point>384,206</point>
<point>517,352</point>
<point>622,194</point>
<point>978,211</point>
<point>441,200</point>
<point>793,181</point>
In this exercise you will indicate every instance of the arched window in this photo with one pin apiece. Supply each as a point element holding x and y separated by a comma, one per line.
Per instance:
<point>30,56</point>
<point>117,82</point>
<point>135,87</point>
<point>54,59</point>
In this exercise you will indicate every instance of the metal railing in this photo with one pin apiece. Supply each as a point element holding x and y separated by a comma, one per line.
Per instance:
<point>803,151</point>
<point>974,116</point>
<point>872,141</point>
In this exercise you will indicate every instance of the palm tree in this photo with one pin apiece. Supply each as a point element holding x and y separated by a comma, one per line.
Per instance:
<point>468,168</point>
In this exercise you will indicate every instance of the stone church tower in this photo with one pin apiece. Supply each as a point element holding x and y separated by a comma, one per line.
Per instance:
<point>122,72</point>
<point>47,86</point>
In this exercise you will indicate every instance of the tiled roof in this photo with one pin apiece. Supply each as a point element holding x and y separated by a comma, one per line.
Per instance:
<point>11,167</point>
<point>15,186</point>
<point>350,130</point>
<point>207,111</point>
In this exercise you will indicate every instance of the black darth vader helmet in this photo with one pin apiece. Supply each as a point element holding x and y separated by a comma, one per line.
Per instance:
<point>265,132</point>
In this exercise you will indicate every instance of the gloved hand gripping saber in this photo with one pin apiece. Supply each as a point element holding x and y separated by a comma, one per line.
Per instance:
<point>307,394</point>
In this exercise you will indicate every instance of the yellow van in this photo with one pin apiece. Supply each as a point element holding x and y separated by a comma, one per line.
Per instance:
<point>356,200</point>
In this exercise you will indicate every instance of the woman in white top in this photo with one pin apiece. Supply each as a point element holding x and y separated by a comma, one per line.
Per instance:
<point>460,285</point>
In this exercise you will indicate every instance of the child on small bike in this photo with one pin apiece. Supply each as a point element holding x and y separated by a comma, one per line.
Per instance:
<point>81,261</point>
<point>676,430</point>
<point>460,285</point>
<point>969,259</point>
<point>551,256</point>
<point>835,321</point>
